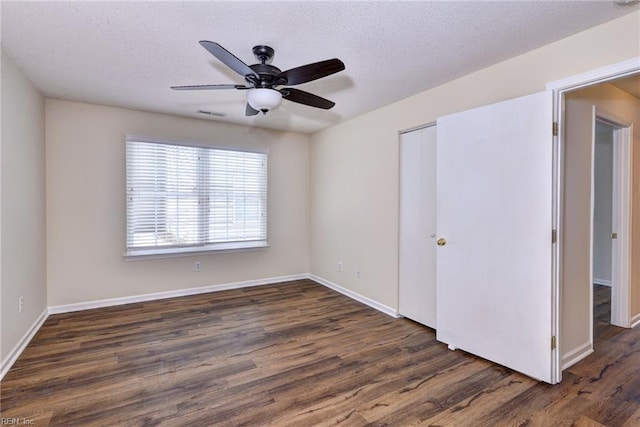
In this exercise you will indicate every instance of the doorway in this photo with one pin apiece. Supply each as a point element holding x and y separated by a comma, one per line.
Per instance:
<point>611,172</point>
<point>589,246</point>
<point>602,202</point>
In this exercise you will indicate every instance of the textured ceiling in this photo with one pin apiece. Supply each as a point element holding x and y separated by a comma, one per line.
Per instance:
<point>127,54</point>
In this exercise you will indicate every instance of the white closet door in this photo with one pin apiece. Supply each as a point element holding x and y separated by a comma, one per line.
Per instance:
<point>494,193</point>
<point>417,299</point>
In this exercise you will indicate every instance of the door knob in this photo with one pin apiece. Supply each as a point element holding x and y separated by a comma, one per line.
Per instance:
<point>441,241</point>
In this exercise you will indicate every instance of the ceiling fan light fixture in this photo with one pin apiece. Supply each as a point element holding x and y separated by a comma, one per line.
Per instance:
<point>261,79</point>
<point>263,99</point>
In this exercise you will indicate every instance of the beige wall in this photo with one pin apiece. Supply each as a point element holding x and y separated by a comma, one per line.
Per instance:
<point>355,166</point>
<point>86,205</point>
<point>22,191</point>
<point>576,286</point>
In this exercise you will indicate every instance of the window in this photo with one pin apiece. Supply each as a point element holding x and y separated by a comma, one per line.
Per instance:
<point>188,198</point>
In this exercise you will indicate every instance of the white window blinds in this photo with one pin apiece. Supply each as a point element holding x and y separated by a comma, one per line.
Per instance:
<point>182,198</point>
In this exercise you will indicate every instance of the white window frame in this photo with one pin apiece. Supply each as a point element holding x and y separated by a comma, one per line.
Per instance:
<point>217,247</point>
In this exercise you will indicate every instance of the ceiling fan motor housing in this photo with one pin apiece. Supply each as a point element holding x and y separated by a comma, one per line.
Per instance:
<point>268,76</point>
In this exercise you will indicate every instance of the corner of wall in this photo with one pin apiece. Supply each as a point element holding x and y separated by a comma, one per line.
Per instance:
<point>22,209</point>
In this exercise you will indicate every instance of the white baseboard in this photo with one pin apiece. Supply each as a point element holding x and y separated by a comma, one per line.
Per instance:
<point>576,355</point>
<point>11,358</point>
<point>635,320</point>
<point>67,308</point>
<point>17,350</point>
<point>602,282</point>
<point>353,295</point>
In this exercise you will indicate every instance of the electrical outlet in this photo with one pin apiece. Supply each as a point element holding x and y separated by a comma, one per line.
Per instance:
<point>339,266</point>
<point>20,305</point>
<point>197,266</point>
<point>358,274</point>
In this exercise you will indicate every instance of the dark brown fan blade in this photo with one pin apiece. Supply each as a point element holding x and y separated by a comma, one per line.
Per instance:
<point>209,87</point>
<point>250,111</point>
<point>227,58</point>
<point>306,98</point>
<point>310,72</point>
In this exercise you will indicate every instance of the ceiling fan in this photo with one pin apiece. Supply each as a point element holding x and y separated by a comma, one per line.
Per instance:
<point>263,79</point>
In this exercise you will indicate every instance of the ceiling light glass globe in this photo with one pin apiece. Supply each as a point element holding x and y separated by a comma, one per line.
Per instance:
<point>263,99</point>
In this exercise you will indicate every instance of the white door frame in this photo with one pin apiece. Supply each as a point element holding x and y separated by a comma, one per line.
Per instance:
<point>621,220</point>
<point>559,88</point>
<point>621,217</point>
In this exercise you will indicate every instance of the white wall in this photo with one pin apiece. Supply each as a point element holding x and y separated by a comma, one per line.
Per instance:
<point>22,191</point>
<point>355,165</point>
<point>86,205</point>
<point>602,204</point>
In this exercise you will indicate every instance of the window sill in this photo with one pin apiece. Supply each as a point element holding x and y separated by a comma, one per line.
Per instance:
<point>204,250</point>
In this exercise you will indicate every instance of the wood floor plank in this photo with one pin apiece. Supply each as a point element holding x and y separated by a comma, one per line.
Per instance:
<point>469,410</point>
<point>633,420</point>
<point>298,354</point>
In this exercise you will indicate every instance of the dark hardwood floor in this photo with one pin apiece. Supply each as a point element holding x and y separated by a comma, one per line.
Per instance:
<point>296,354</point>
<point>602,314</point>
